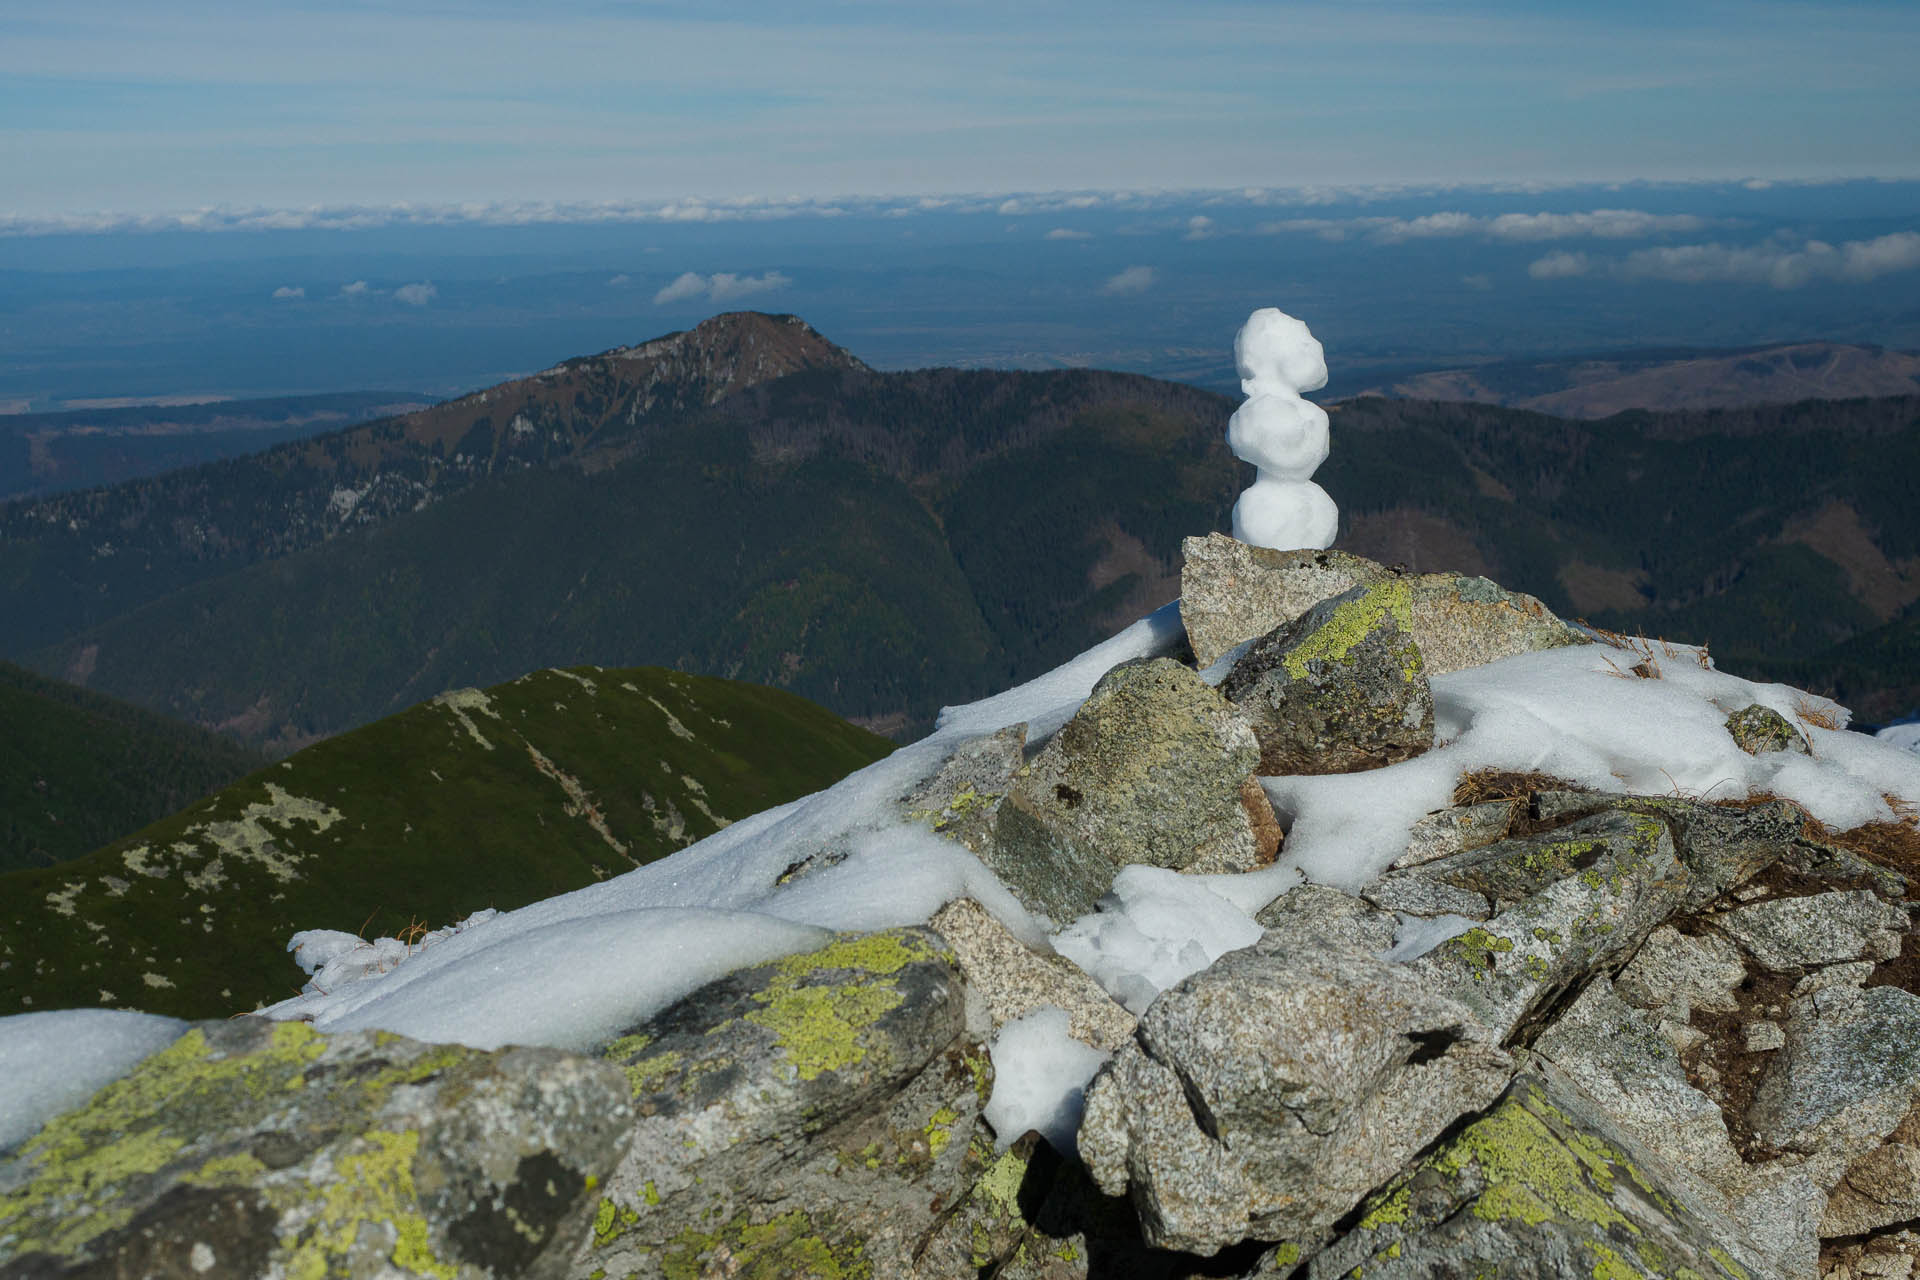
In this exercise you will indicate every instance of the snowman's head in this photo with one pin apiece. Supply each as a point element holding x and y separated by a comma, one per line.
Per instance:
<point>1275,353</point>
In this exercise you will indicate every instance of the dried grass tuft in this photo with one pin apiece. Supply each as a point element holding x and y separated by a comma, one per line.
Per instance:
<point>1819,715</point>
<point>1483,785</point>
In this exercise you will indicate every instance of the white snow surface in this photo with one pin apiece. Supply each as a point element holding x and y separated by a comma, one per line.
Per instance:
<point>1040,1077</point>
<point>575,970</point>
<point>1905,736</point>
<point>1281,434</point>
<point>52,1062</point>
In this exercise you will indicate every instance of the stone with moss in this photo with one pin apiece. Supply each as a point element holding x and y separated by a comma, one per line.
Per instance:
<point>1340,689</point>
<point>1155,767</point>
<point>1263,1097</point>
<point>1542,1183</point>
<point>800,1117</point>
<point>1569,903</point>
<point>1756,730</point>
<point>256,1148</point>
<point>1231,593</point>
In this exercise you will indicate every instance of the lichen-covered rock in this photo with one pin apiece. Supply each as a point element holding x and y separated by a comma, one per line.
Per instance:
<point>1849,1073</point>
<point>256,1148</point>
<point>1580,897</point>
<point>1265,1095</point>
<point>1721,845</point>
<point>1230,593</point>
<point>1340,689</point>
<point>1819,928</point>
<point>795,1118</point>
<point>962,797</point>
<point>1011,980</point>
<point>1154,768</point>
<point>1757,730</point>
<point>1541,1185</point>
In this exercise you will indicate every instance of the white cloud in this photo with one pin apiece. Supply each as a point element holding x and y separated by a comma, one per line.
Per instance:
<point>1480,282</point>
<point>687,284</point>
<point>353,290</point>
<point>727,287</point>
<point>1199,227</point>
<point>416,295</point>
<point>1068,233</point>
<point>1132,280</point>
<point>722,286</point>
<point>617,281</point>
<point>1603,224</point>
<point>1559,265</point>
<point>1778,263</point>
<point>290,291</point>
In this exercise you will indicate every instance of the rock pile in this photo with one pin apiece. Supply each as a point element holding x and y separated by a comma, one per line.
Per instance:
<point>1660,1037</point>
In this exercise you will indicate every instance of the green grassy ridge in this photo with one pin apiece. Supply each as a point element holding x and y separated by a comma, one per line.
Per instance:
<point>78,769</point>
<point>481,799</point>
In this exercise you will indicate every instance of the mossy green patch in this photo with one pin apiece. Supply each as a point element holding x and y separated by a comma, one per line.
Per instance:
<point>818,1020</point>
<point>1351,622</point>
<point>787,1245</point>
<point>373,1185</point>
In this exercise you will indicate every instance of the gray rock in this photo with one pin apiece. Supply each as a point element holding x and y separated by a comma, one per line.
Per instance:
<point>1230,593</point>
<point>962,798</point>
<point>1676,969</point>
<point>1627,1068</point>
<point>1445,832</point>
<point>1723,846</point>
<point>1834,975</point>
<point>1012,980</point>
<point>1757,730</point>
<point>1628,882</point>
<point>1821,928</point>
<point>795,1117</point>
<point>1264,1096</point>
<point>1849,1073</point>
<point>1543,1184</point>
<point>1340,689</point>
<point>1764,1036</point>
<point>1880,1189</point>
<point>1311,912</point>
<point>1418,895</point>
<point>254,1148</point>
<point>1156,768</point>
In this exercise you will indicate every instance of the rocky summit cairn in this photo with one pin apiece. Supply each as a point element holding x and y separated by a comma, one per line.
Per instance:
<point>1281,434</point>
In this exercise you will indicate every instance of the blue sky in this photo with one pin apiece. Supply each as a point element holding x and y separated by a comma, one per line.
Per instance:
<point>137,107</point>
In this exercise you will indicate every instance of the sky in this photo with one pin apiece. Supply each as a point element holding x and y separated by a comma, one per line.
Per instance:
<point>110,105</point>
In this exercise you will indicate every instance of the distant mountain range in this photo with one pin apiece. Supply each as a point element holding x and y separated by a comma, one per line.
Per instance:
<point>78,769</point>
<point>1600,386</point>
<point>480,798</point>
<point>82,448</point>
<point>746,499</point>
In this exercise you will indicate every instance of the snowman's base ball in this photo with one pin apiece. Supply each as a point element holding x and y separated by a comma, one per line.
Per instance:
<point>1286,515</point>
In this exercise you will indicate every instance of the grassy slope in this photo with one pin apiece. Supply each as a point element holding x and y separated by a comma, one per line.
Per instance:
<point>78,769</point>
<point>560,779</point>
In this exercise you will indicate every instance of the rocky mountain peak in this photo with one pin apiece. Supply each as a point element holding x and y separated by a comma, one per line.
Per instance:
<point>727,353</point>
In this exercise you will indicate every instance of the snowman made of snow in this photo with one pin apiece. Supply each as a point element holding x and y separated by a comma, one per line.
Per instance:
<point>1282,435</point>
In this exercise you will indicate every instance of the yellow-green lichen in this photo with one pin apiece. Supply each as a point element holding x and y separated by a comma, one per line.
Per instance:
<point>611,1220</point>
<point>373,1185</point>
<point>820,1024</point>
<point>1286,1253</point>
<point>1352,621</point>
<point>1390,1210</point>
<point>1001,1182</point>
<point>1477,946</point>
<point>86,1156</point>
<point>649,1073</point>
<point>939,1130</point>
<point>789,1244</point>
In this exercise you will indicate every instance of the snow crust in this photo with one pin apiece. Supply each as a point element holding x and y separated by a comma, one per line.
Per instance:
<point>53,1062</point>
<point>1281,434</point>
<point>575,970</point>
<point>1040,1077</point>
